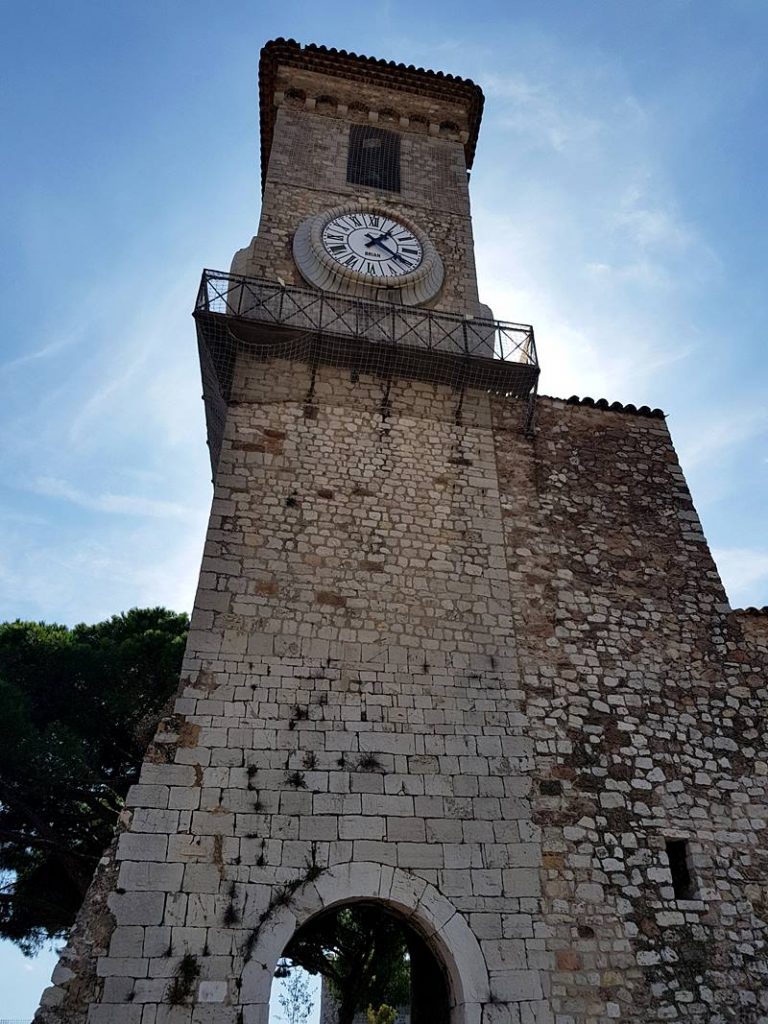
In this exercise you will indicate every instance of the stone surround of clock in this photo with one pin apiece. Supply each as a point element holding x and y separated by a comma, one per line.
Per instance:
<point>368,250</point>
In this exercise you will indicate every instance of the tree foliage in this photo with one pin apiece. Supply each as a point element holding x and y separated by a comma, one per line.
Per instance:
<point>77,709</point>
<point>362,952</point>
<point>384,1015</point>
<point>295,998</point>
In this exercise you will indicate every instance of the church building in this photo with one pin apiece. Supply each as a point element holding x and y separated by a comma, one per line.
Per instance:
<point>458,650</point>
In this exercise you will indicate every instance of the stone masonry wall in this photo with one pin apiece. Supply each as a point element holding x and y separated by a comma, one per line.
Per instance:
<point>480,676</point>
<point>647,705</point>
<point>350,696</point>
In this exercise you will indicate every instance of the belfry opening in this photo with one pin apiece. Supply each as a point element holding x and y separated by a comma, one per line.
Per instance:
<point>368,958</point>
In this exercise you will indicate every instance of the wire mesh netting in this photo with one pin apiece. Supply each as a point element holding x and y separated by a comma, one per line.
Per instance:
<point>268,321</point>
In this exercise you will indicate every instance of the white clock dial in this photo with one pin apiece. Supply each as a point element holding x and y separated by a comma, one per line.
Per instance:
<point>368,251</point>
<point>372,244</point>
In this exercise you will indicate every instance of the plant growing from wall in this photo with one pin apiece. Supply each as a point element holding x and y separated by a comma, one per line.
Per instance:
<point>184,980</point>
<point>369,763</point>
<point>282,897</point>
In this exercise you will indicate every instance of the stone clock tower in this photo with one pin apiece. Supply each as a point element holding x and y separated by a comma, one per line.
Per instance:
<point>466,664</point>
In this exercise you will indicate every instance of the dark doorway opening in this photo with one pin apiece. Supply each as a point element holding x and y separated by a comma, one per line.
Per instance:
<point>679,865</point>
<point>369,956</point>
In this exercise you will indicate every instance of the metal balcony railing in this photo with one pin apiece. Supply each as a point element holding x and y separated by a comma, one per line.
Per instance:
<point>258,319</point>
<point>381,323</point>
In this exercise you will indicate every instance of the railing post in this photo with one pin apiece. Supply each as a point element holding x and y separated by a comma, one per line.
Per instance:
<point>203,301</point>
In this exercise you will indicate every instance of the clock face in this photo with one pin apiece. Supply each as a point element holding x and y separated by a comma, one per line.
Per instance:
<point>372,244</point>
<point>370,252</point>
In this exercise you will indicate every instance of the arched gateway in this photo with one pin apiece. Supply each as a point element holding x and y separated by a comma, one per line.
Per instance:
<point>417,903</point>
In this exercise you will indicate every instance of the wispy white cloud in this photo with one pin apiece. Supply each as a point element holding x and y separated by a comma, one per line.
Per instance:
<point>705,438</point>
<point>103,397</point>
<point>51,349</point>
<point>741,570</point>
<point>647,223</point>
<point>113,504</point>
<point>80,578</point>
<point>533,110</point>
<point>592,245</point>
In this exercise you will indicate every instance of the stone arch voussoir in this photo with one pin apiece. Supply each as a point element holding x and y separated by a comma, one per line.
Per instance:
<point>418,902</point>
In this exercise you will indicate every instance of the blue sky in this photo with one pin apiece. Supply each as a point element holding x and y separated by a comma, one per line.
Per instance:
<point>619,206</point>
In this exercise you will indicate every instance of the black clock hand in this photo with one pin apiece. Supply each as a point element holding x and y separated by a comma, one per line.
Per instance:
<point>375,241</point>
<point>378,241</point>
<point>400,259</point>
<point>394,255</point>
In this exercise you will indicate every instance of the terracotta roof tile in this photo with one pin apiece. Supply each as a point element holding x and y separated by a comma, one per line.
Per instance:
<point>603,403</point>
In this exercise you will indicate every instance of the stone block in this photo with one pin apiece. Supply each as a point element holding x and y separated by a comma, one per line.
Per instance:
<point>141,876</point>
<point>202,878</point>
<point>122,967</point>
<point>127,941</point>
<point>110,1013</point>
<point>137,908</point>
<point>142,846</point>
<point>516,986</point>
<point>504,954</point>
<point>521,882</point>
<point>359,827</point>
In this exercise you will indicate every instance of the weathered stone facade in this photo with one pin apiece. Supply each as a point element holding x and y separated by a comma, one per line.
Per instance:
<point>480,676</point>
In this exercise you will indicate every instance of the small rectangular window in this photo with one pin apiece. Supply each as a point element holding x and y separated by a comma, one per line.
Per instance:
<point>374,158</point>
<point>679,865</point>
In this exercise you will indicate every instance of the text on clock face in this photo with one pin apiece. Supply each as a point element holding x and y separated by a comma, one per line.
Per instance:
<point>373,244</point>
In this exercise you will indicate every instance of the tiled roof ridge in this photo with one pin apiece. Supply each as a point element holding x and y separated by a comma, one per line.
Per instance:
<point>751,610</point>
<point>603,403</point>
<point>314,56</point>
<point>392,65</point>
